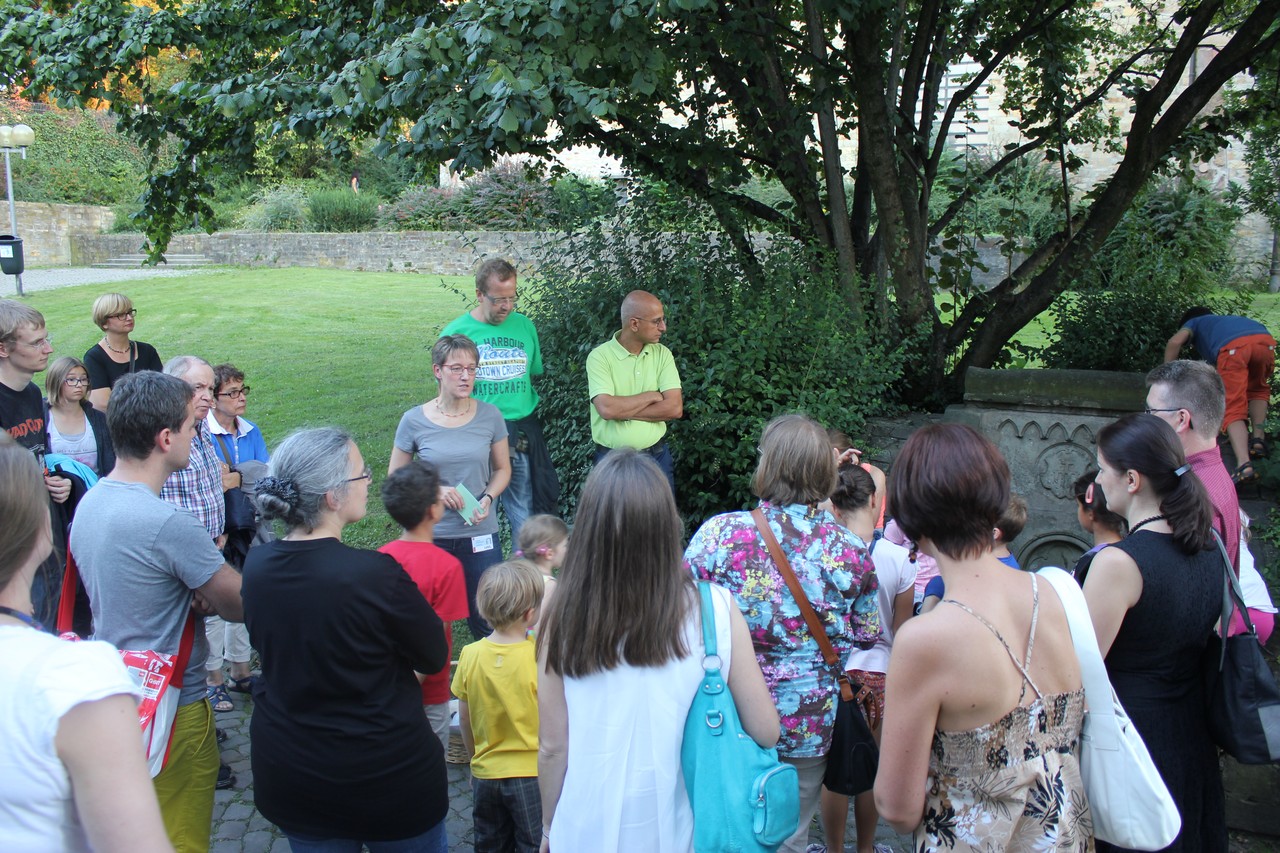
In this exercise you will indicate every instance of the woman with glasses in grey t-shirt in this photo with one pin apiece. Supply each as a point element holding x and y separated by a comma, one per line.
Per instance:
<point>466,440</point>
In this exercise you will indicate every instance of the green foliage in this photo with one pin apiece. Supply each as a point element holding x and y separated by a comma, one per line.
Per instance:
<point>508,197</point>
<point>76,159</point>
<point>1021,206</point>
<point>703,96</point>
<point>1172,250</point>
<point>341,210</point>
<point>579,201</point>
<point>425,209</point>
<point>745,353</point>
<point>278,209</point>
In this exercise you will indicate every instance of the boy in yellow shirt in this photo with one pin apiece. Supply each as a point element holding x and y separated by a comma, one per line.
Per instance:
<point>497,688</point>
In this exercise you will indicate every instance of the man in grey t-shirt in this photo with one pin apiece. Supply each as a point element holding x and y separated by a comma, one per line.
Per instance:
<point>149,566</point>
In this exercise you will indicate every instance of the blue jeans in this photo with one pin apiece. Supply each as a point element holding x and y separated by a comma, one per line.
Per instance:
<point>434,840</point>
<point>659,453</point>
<point>474,564</point>
<point>517,498</point>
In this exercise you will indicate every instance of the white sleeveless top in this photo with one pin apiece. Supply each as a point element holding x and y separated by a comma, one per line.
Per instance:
<point>82,448</point>
<point>623,787</point>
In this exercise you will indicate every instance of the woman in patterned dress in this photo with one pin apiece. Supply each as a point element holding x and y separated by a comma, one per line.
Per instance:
<point>983,700</point>
<point>797,471</point>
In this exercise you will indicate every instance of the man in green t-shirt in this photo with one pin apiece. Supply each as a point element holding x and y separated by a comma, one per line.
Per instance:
<point>509,359</point>
<point>634,386</point>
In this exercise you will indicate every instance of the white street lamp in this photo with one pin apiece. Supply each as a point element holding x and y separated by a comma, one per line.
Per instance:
<point>13,138</point>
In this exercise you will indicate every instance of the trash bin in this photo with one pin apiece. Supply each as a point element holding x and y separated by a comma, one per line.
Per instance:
<point>11,254</point>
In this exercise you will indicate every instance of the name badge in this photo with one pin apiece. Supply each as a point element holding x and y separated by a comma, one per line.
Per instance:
<point>481,543</point>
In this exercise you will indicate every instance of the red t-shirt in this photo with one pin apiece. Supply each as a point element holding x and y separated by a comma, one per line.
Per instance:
<point>439,578</point>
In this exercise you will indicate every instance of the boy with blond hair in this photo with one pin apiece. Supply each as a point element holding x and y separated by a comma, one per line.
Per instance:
<point>497,689</point>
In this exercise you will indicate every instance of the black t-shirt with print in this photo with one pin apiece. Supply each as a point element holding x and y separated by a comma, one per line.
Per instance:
<point>22,415</point>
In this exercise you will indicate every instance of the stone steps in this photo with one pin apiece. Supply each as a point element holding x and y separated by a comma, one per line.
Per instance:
<point>172,260</point>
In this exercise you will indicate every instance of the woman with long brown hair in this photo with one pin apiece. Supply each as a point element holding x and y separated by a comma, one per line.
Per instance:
<point>1154,598</point>
<point>619,664</point>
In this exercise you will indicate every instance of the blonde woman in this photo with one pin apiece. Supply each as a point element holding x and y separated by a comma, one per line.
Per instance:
<point>116,354</point>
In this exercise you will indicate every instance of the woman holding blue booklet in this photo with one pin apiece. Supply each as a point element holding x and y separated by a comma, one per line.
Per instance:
<point>466,440</point>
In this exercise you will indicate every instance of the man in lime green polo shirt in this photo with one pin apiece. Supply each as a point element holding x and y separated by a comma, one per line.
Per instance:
<point>634,385</point>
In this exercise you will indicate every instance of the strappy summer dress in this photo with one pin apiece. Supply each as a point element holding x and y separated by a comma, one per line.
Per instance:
<point>1014,784</point>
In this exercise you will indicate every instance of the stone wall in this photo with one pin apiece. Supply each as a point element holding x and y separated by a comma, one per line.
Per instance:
<point>47,230</point>
<point>439,252</point>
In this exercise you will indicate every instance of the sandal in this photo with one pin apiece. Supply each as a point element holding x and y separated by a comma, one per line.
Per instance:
<point>1244,474</point>
<point>243,685</point>
<point>220,698</point>
<point>1257,448</point>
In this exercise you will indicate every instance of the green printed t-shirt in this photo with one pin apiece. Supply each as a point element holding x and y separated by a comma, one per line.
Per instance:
<point>614,371</point>
<point>509,359</point>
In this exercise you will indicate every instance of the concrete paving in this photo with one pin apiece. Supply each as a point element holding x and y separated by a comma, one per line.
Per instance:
<point>54,277</point>
<point>239,828</point>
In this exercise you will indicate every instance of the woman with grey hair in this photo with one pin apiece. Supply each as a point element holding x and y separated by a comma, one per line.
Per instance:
<point>467,441</point>
<point>342,754</point>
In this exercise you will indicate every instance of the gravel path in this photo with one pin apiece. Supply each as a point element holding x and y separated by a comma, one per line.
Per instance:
<point>48,279</point>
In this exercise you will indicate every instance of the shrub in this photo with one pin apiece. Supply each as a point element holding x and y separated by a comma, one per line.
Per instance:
<point>579,201</point>
<point>277,209</point>
<point>509,197</point>
<point>341,210</point>
<point>745,352</point>
<point>424,209</point>
<point>1172,250</point>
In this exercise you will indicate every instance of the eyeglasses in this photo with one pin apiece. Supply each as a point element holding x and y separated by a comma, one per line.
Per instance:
<point>366,474</point>
<point>461,369</point>
<point>661,321</point>
<point>1191,424</point>
<point>501,300</point>
<point>235,392</point>
<point>39,343</point>
<point>77,380</point>
<point>132,312</point>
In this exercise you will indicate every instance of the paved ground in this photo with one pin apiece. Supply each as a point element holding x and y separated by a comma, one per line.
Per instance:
<point>238,828</point>
<point>48,279</point>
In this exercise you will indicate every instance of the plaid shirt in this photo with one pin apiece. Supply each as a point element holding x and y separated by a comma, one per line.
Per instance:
<point>198,487</point>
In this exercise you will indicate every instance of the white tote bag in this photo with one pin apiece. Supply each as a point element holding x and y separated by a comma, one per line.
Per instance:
<point>1131,805</point>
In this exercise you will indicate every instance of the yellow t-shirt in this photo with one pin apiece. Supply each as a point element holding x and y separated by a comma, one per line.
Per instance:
<point>499,683</point>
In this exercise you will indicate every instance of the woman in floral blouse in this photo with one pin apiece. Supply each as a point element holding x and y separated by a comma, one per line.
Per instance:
<point>797,470</point>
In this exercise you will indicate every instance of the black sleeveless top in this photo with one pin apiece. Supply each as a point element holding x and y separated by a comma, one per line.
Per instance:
<point>1155,667</point>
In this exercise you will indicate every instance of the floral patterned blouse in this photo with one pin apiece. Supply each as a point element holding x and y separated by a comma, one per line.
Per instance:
<point>1011,785</point>
<point>837,575</point>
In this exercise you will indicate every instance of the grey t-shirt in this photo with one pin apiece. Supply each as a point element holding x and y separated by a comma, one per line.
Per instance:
<point>461,453</point>
<point>140,558</point>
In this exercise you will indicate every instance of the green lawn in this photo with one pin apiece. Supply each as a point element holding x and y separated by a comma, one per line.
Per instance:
<point>317,346</point>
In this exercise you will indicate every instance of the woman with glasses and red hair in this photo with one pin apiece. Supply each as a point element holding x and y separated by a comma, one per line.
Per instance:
<point>466,440</point>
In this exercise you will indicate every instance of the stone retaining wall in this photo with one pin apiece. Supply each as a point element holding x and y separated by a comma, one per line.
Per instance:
<point>439,252</point>
<point>47,230</point>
